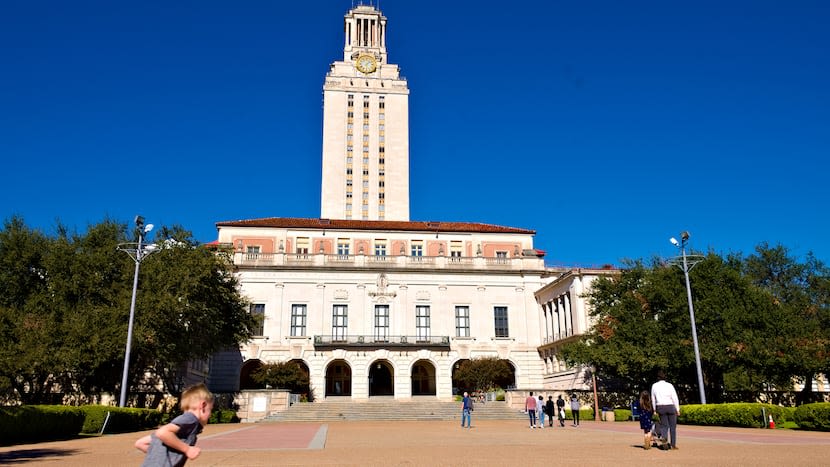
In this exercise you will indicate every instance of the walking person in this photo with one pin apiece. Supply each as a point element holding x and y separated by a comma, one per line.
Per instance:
<point>644,415</point>
<point>540,411</point>
<point>530,406</point>
<point>550,409</point>
<point>466,410</point>
<point>560,409</point>
<point>665,403</point>
<point>575,409</point>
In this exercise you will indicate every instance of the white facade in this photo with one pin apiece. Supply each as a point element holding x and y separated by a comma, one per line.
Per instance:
<point>564,316</point>
<point>414,294</point>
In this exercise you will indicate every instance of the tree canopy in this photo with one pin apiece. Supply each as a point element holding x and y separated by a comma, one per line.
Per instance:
<point>483,374</point>
<point>760,323</point>
<point>65,301</point>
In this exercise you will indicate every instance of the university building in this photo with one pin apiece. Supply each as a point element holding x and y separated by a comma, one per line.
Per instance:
<point>371,303</point>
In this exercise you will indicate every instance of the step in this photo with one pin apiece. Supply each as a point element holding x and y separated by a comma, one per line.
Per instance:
<point>390,409</point>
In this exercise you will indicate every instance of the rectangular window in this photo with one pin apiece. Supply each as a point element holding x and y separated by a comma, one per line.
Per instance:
<point>501,256</point>
<point>462,321</point>
<point>455,250</point>
<point>380,247</point>
<point>381,323</point>
<point>298,318</point>
<point>422,323</point>
<point>417,249</point>
<point>258,312</point>
<point>303,244</point>
<point>343,246</point>
<point>500,315</point>
<point>339,322</point>
<point>252,252</point>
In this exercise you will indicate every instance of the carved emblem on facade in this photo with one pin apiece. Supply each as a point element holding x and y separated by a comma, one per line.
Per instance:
<point>382,285</point>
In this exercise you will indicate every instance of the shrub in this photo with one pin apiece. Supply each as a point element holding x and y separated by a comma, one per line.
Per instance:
<point>739,414</point>
<point>223,416</point>
<point>121,420</point>
<point>39,423</point>
<point>813,416</point>
<point>584,414</point>
<point>621,415</point>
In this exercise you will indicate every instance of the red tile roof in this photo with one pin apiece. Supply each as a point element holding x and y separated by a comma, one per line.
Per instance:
<point>343,224</point>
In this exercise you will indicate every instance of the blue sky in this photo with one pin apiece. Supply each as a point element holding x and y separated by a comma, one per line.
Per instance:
<point>606,126</point>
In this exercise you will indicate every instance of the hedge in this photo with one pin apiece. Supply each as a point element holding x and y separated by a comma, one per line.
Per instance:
<point>39,423</point>
<point>813,416</point>
<point>48,422</point>
<point>739,414</point>
<point>122,420</point>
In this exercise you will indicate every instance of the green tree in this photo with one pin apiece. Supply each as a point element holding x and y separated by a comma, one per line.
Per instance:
<point>64,304</point>
<point>189,306</point>
<point>642,324</point>
<point>283,375</point>
<point>801,290</point>
<point>28,327</point>
<point>483,374</point>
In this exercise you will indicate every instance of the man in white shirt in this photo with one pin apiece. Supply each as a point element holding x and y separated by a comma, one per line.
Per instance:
<point>665,403</point>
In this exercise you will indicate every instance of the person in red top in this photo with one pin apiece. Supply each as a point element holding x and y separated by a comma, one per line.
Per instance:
<point>530,405</point>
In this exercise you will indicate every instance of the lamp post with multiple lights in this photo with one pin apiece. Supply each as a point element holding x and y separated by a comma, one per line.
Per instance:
<point>137,251</point>
<point>684,238</point>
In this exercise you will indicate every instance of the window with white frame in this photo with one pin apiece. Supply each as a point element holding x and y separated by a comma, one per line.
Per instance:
<point>380,247</point>
<point>381,323</point>
<point>417,248</point>
<point>422,323</point>
<point>500,319</point>
<point>252,251</point>
<point>462,321</point>
<point>303,245</point>
<point>339,322</point>
<point>343,245</point>
<point>298,319</point>
<point>455,250</point>
<point>257,310</point>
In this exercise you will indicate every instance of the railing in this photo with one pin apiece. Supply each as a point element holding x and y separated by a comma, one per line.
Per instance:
<point>386,262</point>
<point>323,341</point>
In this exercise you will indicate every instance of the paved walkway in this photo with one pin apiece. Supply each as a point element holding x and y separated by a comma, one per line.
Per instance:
<point>496,442</point>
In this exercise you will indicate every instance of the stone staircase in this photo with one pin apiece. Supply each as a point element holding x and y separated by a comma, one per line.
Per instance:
<point>390,409</point>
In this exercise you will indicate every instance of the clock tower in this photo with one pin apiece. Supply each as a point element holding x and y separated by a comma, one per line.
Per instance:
<point>365,127</point>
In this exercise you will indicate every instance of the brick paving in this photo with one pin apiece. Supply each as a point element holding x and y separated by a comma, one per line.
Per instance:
<point>430,443</point>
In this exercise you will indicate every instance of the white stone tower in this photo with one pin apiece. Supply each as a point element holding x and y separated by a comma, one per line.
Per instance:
<point>365,127</point>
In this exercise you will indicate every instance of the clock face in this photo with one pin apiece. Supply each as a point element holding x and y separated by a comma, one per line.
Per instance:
<point>366,64</point>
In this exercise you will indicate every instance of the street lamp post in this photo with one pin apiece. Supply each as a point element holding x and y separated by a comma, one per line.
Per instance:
<point>137,251</point>
<point>684,238</point>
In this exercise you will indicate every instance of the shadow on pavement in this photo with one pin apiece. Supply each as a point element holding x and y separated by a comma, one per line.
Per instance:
<point>31,455</point>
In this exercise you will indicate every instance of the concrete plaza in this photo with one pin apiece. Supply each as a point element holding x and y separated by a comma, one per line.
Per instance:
<point>490,442</point>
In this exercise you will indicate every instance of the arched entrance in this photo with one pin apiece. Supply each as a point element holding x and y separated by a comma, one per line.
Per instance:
<point>508,382</point>
<point>423,378</point>
<point>338,379</point>
<point>381,379</point>
<point>458,386</point>
<point>303,389</point>
<point>245,380</point>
